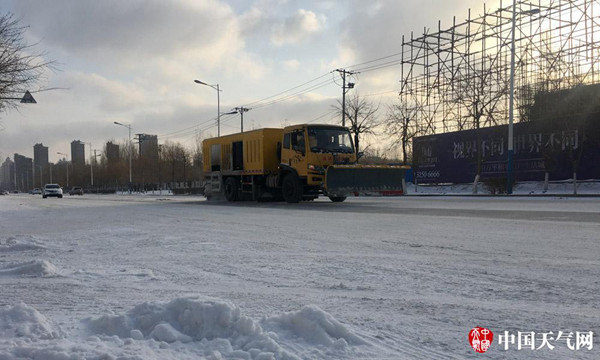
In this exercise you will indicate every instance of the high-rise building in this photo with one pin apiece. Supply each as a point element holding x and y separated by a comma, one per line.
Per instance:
<point>77,152</point>
<point>148,147</point>
<point>112,152</point>
<point>7,174</point>
<point>40,155</point>
<point>23,172</point>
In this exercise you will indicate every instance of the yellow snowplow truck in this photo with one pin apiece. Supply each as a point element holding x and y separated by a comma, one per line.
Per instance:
<point>295,163</point>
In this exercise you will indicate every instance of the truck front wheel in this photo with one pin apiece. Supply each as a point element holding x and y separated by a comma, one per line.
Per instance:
<point>291,189</point>
<point>337,198</point>
<point>231,189</point>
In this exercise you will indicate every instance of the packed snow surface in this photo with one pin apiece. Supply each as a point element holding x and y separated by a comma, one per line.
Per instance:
<point>167,277</point>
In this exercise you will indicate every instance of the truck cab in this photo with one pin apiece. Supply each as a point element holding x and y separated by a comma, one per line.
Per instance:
<point>311,149</point>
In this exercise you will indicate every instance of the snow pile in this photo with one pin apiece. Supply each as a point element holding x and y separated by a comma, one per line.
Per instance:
<point>35,268</point>
<point>585,187</point>
<point>217,326</point>
<point>19,243</point>
<point>314,326</point>
<point>23,321</point>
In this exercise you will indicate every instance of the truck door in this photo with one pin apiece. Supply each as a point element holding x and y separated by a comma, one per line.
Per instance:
<point>293,152</point>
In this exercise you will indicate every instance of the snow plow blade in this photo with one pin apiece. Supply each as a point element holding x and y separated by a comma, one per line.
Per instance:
<point>343,180</point>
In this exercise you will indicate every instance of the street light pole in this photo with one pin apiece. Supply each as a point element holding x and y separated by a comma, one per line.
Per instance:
<point>509,174</point>
<point>511,102</point>
<point>128,126</point>
<point>41,175</point>
<point>67,157</point>
<point>93,161</point>
<point>91,166</point>
<point>216,87</point>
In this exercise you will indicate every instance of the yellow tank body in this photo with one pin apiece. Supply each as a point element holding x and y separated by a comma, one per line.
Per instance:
<point>248,153</point>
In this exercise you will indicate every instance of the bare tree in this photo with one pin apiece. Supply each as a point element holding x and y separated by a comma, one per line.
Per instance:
<point>20,66</point>
<point>362,115</point>
<point>177,162</point>
<point>401,126</point>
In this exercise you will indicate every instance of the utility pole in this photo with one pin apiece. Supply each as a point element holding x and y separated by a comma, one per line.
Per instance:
<point>345,89</point>
<point>241,110</point>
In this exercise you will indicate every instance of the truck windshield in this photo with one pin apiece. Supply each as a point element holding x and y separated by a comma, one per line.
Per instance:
<point>329,139</point>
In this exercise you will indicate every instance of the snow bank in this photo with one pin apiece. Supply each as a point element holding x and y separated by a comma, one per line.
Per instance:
<point>587,187</point>
<point>314,326</point>
<point>23,321</point>
<point>185,328</point>
<point>217,326</point>
<point>35,268</point>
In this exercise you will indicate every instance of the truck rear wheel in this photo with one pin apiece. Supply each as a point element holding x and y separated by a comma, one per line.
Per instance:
<point>337,198</point>
<point>231,189</point>
<point>291,189</point>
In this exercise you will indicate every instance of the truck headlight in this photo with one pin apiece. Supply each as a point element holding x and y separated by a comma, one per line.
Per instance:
<point>317,168</point>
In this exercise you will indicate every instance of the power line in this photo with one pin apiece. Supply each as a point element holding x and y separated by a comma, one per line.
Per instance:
<point>274,99</point>
<point>298,93</point>
<point>255,103</point>
<point>375,60</point>
<point>321,116</point>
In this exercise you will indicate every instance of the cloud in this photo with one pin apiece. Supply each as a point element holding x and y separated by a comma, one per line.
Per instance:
<point>135,61</point>
<point>113,96</point>
<point>373,29</point>
<point>297,28</point>
<point>133,30</point>
<point>291,65</point>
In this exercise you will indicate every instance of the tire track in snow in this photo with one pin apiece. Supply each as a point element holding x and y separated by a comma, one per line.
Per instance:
<point>403,349</point>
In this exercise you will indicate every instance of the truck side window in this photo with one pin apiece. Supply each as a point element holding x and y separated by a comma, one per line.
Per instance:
<point>286,141</point>
<point>298,141</point>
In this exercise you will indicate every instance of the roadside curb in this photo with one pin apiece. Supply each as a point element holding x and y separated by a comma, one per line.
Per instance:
<point>509,196</point>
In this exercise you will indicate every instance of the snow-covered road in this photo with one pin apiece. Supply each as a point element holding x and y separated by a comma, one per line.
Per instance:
<point>133,277</point>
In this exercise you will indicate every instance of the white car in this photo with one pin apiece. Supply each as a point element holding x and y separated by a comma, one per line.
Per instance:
<point>52,190</point>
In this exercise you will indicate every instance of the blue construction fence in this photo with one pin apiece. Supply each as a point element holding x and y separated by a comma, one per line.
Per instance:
<point>452,157</point>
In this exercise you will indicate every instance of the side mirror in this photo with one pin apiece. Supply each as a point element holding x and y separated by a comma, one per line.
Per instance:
<point>279,151</point>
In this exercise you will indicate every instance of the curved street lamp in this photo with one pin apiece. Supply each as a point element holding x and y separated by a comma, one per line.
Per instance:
<point>67,157</point>
<point>128,126</point>
<point>216,87</point>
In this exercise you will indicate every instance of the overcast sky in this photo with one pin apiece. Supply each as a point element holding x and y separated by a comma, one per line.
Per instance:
<point>135,62</point>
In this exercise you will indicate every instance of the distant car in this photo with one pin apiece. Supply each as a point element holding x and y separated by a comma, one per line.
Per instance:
<point>36,191</point>
<point>52,190</point>
<point>76,190</point>
<point>4,192</point>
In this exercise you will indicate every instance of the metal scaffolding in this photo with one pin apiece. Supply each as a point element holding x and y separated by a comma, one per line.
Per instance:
<point>449,76</point>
